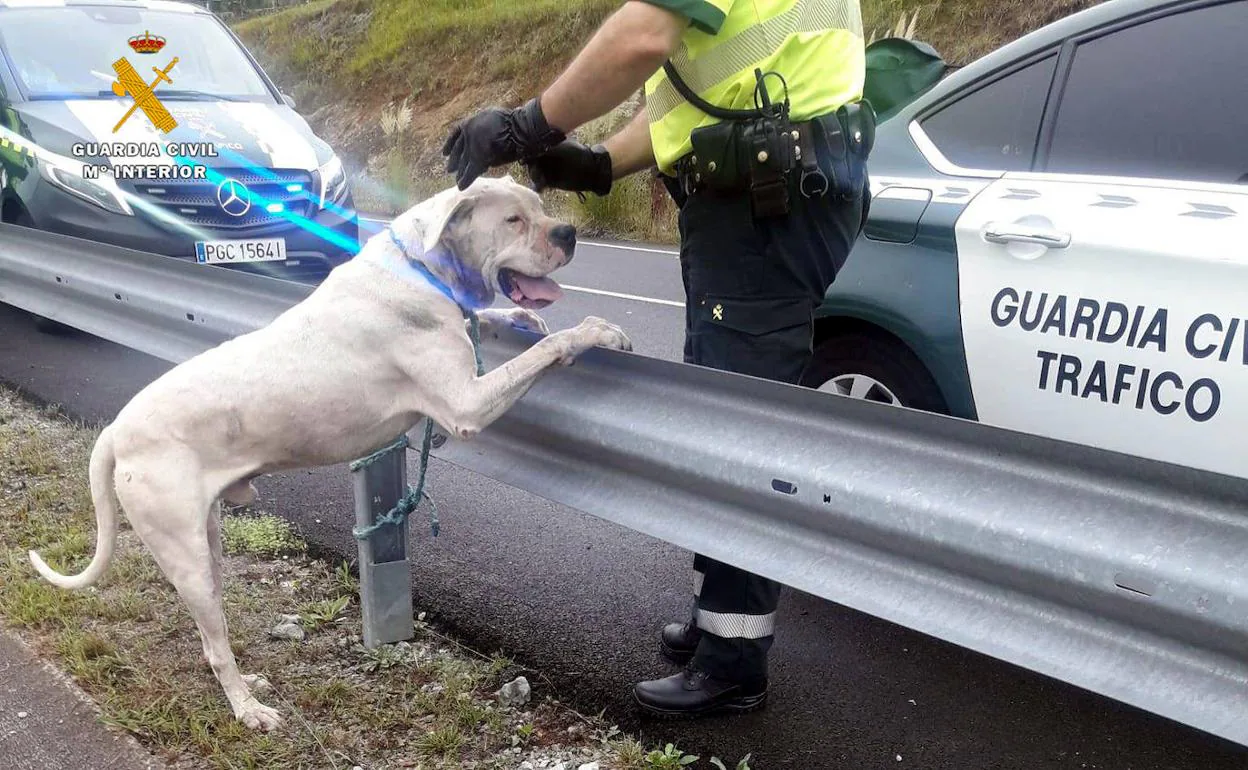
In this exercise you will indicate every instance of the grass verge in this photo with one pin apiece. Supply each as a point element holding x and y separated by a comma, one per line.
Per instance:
<point>129,643</point>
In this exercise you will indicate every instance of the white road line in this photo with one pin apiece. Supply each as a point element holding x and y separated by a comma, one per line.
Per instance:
<point>619,295</point>
<point>624,247</point>
<point>601,244</point>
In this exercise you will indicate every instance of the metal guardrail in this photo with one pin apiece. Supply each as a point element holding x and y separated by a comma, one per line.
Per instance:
<point>1120,575</point>
<point>167,308</point>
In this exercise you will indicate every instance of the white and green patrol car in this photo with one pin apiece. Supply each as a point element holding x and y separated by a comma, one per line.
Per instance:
<point>1058,241</point>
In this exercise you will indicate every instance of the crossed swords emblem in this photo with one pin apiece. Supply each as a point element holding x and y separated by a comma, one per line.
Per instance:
<point>143,93</point>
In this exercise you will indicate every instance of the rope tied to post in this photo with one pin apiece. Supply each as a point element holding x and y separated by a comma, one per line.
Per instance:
<point>411,501</point>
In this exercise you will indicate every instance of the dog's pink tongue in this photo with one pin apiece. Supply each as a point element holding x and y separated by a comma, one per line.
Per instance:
<point>533,293</point>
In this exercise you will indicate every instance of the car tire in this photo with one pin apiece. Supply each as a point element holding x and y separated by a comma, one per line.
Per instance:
<point>873,367</point>
<point>44,325</point>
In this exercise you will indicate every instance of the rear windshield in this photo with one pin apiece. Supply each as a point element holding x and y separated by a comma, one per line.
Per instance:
<point>210,65</point>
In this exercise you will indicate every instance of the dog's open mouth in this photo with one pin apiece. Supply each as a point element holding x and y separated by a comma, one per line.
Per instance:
<point>526,291</point>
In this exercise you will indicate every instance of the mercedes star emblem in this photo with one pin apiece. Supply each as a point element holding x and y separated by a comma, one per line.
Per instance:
<point>233,197</point>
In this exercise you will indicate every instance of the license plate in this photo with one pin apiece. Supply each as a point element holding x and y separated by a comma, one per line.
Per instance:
<point>251,250</point>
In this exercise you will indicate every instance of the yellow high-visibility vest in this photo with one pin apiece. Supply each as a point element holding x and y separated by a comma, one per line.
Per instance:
<point>815,45</point>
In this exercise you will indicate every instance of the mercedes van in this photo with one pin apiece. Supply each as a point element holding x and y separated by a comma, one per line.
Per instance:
<point>147,124</point>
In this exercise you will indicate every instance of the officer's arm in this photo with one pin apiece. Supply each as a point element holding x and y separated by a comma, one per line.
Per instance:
<point>626,50</point>
<point>630,149</point>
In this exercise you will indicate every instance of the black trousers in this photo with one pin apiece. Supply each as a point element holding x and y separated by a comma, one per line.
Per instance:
<point>751,288</point>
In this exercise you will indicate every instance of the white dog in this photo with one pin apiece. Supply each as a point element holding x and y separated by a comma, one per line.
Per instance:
<point>379,344</point>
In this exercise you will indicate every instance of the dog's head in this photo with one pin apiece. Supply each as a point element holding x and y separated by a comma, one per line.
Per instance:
<point>494,237</point>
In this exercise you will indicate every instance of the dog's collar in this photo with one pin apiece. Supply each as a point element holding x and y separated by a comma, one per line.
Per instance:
<point>424,271</point>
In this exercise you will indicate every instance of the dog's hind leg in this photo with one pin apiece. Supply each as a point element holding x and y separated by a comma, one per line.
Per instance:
<point>218,580</point>
<point>214,548</point>
<point>188,557</point>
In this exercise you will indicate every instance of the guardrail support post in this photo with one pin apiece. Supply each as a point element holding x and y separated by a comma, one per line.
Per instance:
<point>385,575</point>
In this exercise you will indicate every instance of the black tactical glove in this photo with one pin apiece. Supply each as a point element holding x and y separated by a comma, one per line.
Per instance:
<point>572,166</point>
<point>496,137</point>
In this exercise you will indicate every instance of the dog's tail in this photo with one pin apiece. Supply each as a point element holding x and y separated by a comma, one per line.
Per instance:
<point>103,462</point>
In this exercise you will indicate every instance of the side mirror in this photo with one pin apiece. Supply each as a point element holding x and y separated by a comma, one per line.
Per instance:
<point>290,101</point>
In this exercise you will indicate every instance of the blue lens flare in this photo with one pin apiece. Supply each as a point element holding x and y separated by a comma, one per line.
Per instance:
<point>317,229</point>
<point>350,245</point>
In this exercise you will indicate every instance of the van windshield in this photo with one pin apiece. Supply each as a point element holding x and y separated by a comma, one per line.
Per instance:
<point>68,52</point>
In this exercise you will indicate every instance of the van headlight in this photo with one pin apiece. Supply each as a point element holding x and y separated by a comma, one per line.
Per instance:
<point>70,177</point>
<point>333,181</point>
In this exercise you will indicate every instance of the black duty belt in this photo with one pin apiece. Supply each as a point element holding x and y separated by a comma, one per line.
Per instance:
<point>772,159</point>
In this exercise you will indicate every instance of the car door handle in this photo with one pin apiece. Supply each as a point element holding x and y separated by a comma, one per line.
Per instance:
<point>997,232</point>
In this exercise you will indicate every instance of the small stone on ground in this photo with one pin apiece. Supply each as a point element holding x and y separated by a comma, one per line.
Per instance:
<point>292,631</point>
<point>514,693</point>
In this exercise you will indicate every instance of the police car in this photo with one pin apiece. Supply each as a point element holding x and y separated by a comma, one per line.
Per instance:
<point>1058,241</point>
<point>87,89</point>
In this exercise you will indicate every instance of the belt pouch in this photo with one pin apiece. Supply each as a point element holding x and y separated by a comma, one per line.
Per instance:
<point>833,149</point>
<point>716,157</point>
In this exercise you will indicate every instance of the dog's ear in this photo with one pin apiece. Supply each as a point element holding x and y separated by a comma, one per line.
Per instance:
<point>440,215</point>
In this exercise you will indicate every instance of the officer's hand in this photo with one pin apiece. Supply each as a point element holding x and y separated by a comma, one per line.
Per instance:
<point>496,137</point>
<point>572,166</point>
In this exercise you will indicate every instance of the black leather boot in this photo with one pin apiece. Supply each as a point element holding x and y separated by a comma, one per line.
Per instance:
<point>693,693</point>
<point>679,640</point>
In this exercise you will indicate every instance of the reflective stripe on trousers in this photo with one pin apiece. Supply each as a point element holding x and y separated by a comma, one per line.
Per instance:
<point>736,625</point>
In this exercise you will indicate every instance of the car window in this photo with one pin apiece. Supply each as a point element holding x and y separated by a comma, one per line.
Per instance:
<point>1165,98</point>
<point>995,127</point>
<point>209,64</point>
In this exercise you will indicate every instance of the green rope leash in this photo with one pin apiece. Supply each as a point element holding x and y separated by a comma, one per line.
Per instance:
<point>409,502</point>
<point>474,334</point>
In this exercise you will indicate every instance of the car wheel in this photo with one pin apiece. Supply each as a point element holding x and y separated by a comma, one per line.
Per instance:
<point>45,325</point>
<point>873,368</point>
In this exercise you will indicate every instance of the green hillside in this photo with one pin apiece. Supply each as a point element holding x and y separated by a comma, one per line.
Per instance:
<point>383,79</point>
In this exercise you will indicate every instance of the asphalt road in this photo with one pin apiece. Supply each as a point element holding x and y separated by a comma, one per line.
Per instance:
<point>46,723</point>
<point>581,600</point>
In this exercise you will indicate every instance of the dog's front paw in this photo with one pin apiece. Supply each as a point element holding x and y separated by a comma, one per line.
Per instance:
<point>257,716</point>
<point>601,333</point>
<point>523,318</point>
<point>595,332</point>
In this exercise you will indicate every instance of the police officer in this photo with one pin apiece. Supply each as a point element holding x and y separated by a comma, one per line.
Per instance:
<point>754,119</point>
